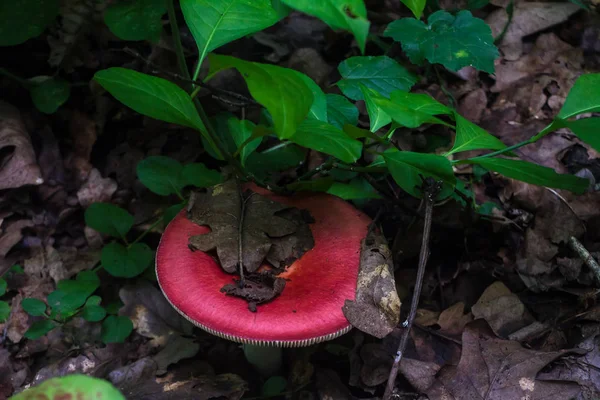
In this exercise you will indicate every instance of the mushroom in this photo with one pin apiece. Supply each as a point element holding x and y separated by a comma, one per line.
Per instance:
<point>308,311</point>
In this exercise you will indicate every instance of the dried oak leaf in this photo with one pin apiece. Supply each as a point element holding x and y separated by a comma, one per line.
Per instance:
<point>257,288</point>
<point>376,309</point>
<point>222,209</point>
<point>496,369</point>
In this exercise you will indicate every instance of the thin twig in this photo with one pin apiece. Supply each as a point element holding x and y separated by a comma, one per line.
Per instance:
<point>430,190</point>
<point>585,255</point>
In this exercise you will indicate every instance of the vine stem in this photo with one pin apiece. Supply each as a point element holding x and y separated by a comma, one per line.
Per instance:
<point>430,189</point>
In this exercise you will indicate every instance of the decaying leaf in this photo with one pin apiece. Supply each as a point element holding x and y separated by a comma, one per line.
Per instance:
<point>376,309</point>
<point>496,369</point>
<point>256,288</point>
<point>224,207</point>
<point>18,165</point>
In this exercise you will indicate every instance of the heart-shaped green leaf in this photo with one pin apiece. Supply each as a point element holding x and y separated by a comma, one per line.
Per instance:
<point>115,329</point>
<point>108,219</point>
<point>126,262</point>
<point>34,307</point>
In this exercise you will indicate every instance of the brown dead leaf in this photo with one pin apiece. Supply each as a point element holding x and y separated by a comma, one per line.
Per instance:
<point>376,309</point>
<point>82,130</point>
<point>452,320</point>
<point>221,209</point>
<point>496,369</point>
<point>10,234</point>
<point>330,386</point>
<point>96,189</point>
<point>502,309</point>
<point>257,288</point>
<point>528,18</point>
<point>18,165</point>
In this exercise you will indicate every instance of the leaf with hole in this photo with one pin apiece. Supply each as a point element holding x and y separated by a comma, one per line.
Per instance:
<point>214,23</point>
<point>151,96</point>
<point>340,111</point>
<point>326,138</point>
<point>282,91</point>
<point>584,97</point>
<point>350,15</point>
<point>39,329</point>
<point>25,19</point>
<point>408,170</point>
<point>48,93</point>
<point>532,173</point>
<point>136,19</point>
<point>33,307</point>
<point>472,137</point>
<point>126,262</point>
<point>108,219</point>
<point>115,329</point>
<point>453,41</point>
<point>379,73</point>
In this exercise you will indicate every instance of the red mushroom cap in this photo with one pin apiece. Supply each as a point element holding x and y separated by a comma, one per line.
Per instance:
<point>309,310</point>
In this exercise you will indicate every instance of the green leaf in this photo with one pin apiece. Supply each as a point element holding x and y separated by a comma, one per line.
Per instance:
<point>274,386</point>
<point>407,168</point>
<point>416,6</point>
<point>214,23</point>
<point>453,41</point>
<point>281,91</point>
<point>358,133</point>
<point>71,387</point>
<point>115,329</point>
<point>377,117</point>
<point>583,97</point>
<point>532,173</point>
<point>172,212</point>
<point>313,185</point>
<point>354,190</point>
<point>423,103</point>
<point>108,219</point>
<point>16,269</point>
<point>33,307</point>
<point>198,175</point>
<point>241,131</point>
<point>93,301</point>
<point>328,139</point>
<point>151,96</point>
<point>3,286</point>
<point>4,311</point>
<point>39,329</point>
<point>49,93</point>
<point>278,158</point>
<point>471,137</point>
<point>587,129</point>
<point>72,294</point>
<point>350,15</point>
<point>318,110</point>
<point>340,111</point>
<point>381,74</point>
<point>114,307</point>
<point>162,175</point>
<point>25,19</point>
<point>136,19</point>
<point>126,262</point>
<point>93,313</point>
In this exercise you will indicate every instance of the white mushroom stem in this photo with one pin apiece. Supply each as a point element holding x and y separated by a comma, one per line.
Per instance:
<point>266,359</point>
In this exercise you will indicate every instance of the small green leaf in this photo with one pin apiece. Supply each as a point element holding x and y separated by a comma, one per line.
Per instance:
<point>340,111</point>
<point>274,386</point>
<point>93,301</point>
<point>49,93</point>
<point>151,96</point>
<point>377,117</point>
<point>126,262</point>
<point>34,307</point>
<point>39,329</point>
<point>313,185</point>
<point>16,269</point>
<point>354,190</point>
<point>350,15</point>
<point>471,137</point>
<point>416,6</point>
<point>3,286</point>
<point>487,208</point>
<point>115,329</point>
<point>25,19</point>
<point>114,307</point>
<point>532,173</point>
<point>71,387</point>
<point>241,131</point>
<point>4,311</point>
<point>214,23</point>
<point>453,41</point>
<point>172,212</point>
<point>72,294</point>
<point>136,19</point>
<point>160,174</point>
<point>282,91</point>
<point>587,129</point>
<point>381,74</point>
<point>318,109</point>
<point>108,219</point>
<point>93,313</point>
<point>198,175</point>
<point>328,139</point>
<point>584,97</point>
<point>423,103</point>
<point>408,169</point>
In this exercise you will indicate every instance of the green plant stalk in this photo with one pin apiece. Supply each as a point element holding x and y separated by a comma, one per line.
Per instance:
<point>359,169</point>
<point>498,152</point>
<point>16,78</point>
<point>143,234</point>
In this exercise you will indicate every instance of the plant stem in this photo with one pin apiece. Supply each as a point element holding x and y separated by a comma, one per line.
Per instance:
<point>359,169</point>
<point>430,190</point>
<point>326,166</point>
<point>16,78</point>
<point>497,153</point>
<point>154,225</point>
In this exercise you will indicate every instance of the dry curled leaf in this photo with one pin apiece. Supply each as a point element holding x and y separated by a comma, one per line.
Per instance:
<point>18,165</point>
<point>222,209</point>
<point>376,309</point>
